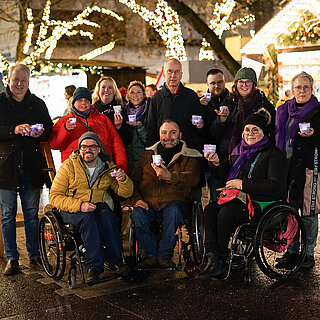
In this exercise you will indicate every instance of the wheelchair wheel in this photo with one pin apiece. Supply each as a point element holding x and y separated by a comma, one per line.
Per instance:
<point>277,229</point>
<point>196,233</point>
<point>52,250</point>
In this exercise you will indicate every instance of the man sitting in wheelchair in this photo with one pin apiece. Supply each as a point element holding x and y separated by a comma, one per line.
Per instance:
<point>162,192</point>
<point>79,191</point>
<point>256,168</point>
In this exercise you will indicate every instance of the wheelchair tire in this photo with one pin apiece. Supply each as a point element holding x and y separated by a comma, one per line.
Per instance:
<point>196,233</point>
<point>271,240</point>
<point>52,249</point>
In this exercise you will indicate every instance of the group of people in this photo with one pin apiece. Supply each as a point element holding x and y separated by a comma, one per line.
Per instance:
<point>151,150</point>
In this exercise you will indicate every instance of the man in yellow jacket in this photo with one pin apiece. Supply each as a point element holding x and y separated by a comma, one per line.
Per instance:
<point>79,191</point>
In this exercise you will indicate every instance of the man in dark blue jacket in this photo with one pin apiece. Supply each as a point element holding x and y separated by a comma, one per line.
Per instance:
<point>178,103</point>
<point>21,163</point>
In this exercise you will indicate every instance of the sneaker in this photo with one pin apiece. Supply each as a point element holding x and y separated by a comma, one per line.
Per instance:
<point>149,262</point>
<point>166,263</point>
<point>308,262</point>
<point>35,263</point>
<point>12,268</point>
<point>92,277</point>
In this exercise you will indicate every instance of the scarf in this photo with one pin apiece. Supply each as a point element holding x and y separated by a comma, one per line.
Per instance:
<point>106,108</point>
<point>139,111</point>
<point>82,114</point>
<point>244,108</point>
<point>244,153</point>
<point>168,153</point>
<point>283,115</point>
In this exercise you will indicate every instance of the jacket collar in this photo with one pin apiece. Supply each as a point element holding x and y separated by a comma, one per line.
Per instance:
<point>185,151</point>
<point>181,90</point>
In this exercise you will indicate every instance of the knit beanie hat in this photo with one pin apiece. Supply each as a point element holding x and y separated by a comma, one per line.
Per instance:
<point>90,135</point>
<point>258,120</point>
<point>246,73</point>
<point>80,93</point>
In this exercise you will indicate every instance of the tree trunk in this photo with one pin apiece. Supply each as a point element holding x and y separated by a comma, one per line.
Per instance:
<point>23,25</point>
<point>202,28</point>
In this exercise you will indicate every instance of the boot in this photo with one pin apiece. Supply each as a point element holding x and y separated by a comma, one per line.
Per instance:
<point>211,268</point>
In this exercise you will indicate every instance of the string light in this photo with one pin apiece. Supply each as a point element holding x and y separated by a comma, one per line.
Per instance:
<point>47,44</point>
<point>90,55</point>
<point>166,22</point>
<point>29,31</point>
<point>219,24</point>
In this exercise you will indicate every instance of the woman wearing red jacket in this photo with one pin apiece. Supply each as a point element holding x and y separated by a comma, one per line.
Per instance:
<point>66,132</point>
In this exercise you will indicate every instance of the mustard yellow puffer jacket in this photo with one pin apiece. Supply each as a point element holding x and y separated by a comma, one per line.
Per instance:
<point>71,186</point>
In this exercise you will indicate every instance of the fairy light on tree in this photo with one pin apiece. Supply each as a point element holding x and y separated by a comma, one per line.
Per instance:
<point>90,55</point>
<point>166,22</point>
<point>219,24</point>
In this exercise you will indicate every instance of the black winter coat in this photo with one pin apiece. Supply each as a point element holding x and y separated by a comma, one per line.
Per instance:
<point>303,158</point>
<point>268,178</point>
<point>21,153</point>
<point>178,107</point>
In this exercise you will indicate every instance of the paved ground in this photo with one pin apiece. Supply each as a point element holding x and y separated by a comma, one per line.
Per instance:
<point>163,295</point>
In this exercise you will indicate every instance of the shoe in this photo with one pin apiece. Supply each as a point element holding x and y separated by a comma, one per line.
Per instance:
<point>149,262</point>
<point>308,262</point>
<point>92,277</point>
<point>35,263</point>
<point>12,268</point>
<point>215,268</point>
<point>287,261</point>
<point>166,263</point>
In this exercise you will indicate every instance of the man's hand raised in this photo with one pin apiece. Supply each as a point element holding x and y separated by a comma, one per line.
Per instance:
<point>162,173</point>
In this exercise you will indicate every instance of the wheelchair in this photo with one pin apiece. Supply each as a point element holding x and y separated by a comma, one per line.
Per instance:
<point>267,240</point>
<point>191,251</point>
<point>56,240</point>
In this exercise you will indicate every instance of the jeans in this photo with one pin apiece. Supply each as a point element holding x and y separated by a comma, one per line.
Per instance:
<point>171,216</point>
<point>311,228</point>
<point>30,205</point>
<point>97,229</point>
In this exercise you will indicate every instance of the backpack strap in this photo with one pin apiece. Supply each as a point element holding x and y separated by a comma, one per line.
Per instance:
<point>253,164</point>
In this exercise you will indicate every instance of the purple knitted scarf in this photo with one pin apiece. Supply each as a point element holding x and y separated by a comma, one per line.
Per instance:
<point>284,113</point>
<point>139,111</point>
<point>245,152</point>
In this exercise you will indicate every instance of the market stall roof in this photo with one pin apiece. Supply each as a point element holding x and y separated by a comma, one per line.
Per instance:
<point>268,34</point>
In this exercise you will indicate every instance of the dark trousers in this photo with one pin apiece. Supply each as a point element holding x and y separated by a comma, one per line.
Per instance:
<point>97,229</point>
<point>221,220</point>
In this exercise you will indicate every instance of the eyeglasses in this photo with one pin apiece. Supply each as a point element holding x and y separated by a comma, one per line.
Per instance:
<point>247,83</point>
<point>93,147</point>
<point>175,72</point>
<point>247,131</point>
<point>302,88</point>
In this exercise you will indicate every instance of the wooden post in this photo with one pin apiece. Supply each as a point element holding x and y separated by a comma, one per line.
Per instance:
<point>46,151</point>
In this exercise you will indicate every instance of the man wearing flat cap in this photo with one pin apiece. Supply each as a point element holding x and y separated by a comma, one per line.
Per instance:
<point>79,191</point>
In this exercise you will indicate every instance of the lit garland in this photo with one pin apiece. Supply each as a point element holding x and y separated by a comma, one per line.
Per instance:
<point>219,24</point>
<point>29,31</point>
<point>48,44</point>
<point>4,67</point>
<point>166,22</point>
<point>90,55</point>
<point>305,30</point>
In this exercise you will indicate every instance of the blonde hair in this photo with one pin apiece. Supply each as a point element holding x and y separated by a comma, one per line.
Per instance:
<point>95,95</point>
<point>136,83</point>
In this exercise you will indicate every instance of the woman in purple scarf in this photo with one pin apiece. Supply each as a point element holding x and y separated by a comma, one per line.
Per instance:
<point>300,149</point>
<point>136,109</point>
<point>264,183</point>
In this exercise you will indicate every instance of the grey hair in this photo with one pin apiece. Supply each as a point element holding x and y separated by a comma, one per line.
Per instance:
<point>302,74</point>
<point>18,67</point>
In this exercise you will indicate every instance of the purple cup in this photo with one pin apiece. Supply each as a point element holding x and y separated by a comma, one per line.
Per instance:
<point>73,120</point>
<point>114,173</point>
<point>196,119</point>
<point>117,109</point>
<point>304,127</point>
<point>156,158</point>
<point>209,148</point>
<point>223,108</point>
<point>132,118</point>
<point>208,95</point>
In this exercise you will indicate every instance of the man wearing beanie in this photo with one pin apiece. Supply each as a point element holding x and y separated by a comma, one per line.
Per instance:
<point>82,203</point>
<point>82,118</point>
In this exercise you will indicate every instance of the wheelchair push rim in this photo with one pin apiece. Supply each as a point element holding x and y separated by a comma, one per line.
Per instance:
<point>52,250</point>
<point>273,237</point>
